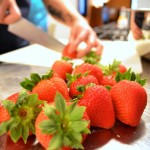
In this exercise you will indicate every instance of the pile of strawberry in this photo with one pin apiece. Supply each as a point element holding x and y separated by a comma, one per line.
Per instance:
<point>61,106</point>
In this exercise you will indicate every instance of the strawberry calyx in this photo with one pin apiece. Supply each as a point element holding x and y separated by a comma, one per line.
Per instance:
<point>22,116</point>
<point>71,78</point>
<point>131,76</point>
<point>92,58</point>
<point>65,123</point>
<point>35,78</point>
<point>111,68</point>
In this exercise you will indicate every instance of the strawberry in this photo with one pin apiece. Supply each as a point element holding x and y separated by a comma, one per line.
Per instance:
<point>4,115</point>
<point>46,86</point>
<point>98,102</point>
<point>91,69</point>
<point>61,67</point>
<point>20,115</point>
<point>62,125</point>
<point>129,100</point>
<point>78,82</point>
<point>114,68</point>
<point>108,80</point>
<point>67,54</point>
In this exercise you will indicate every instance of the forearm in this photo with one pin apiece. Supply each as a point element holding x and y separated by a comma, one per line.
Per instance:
<point>63,11</point>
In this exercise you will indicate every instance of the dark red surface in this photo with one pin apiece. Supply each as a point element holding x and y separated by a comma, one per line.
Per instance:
<point>96,140</point>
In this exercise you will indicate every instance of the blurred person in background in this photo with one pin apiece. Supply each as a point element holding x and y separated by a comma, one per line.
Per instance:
<point>62,10</point>
<point>136,23</point>
<point>140,24</point>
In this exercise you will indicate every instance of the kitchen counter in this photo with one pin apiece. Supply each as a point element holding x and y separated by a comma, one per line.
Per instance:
<point>120,137</point>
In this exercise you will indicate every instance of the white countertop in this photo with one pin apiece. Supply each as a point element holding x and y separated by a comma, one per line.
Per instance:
<point>41,56</point>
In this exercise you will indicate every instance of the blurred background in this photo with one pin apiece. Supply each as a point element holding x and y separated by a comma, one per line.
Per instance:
<point>109,18</point>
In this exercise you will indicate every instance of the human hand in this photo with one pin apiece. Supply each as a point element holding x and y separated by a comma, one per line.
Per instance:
<point>9,12</point>
<point>82,32</point>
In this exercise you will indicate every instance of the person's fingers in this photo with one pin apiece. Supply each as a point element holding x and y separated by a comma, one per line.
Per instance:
<point>10,12</point>
<point>14,13</point>
<point>99,47</point>
<point>90,43</point>
<point>3,9</point>
<point>75,43</point>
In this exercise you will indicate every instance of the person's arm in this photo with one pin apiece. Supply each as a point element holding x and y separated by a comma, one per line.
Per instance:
<point>136,31</point>
<point>9,12</point>
<point>63,11</point>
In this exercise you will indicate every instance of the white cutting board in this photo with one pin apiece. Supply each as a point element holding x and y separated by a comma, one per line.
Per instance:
<point>41,56</point>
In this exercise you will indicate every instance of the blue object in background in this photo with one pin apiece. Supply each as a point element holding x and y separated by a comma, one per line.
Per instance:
<point>38,14</point>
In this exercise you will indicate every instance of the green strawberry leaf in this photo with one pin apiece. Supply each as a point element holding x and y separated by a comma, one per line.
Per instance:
<point>69,126</point>
<point>60,103</point>
<point>25,133</point>
<point>79,126</point>
<point>77,139</point>
<point>48,75</point>
<point>56,141</point>
<point>15,132</point>
<point>4,126</point>
<point>131,76</point>
<point>35,78</point>
<point>66,141</point>
<point>27,84</point>
<point>71,78</point>
<point>31,127</point>
<point>48,126</point>
<point>9,105</point>
<point>22,116</point>
<point>66,58</point>
<point>50,112</point>
<point>77,113</point>
<point>71,108</point>
<point>92,58</point>
<point>114,67</point>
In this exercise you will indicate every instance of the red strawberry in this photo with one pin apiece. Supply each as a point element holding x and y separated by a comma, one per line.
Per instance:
<point>67,54</point>
<point>61,125</point>
<point>122,68</point>
<point>108,80</point>
<point>129,100</point>
<point>114,68</point>
<point>20,112</point>
<point>91,69</point>
<point>99,106</point>
<point>4,115</point>
<point>46,86</point>
<point>80,82</point>
<point>61,67</point>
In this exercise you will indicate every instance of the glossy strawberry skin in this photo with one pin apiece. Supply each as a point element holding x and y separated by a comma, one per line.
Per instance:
<point>67,54</point>
<point>84,80</point>
<point>98,102</point>
<point>45,139</point>
<point>92,69</point>
<point>46,89</point>
<point>108,80</point>
<point>62,67</point>
<point>4,115</point>
<point>129,100</point>
<point>122,68</point>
